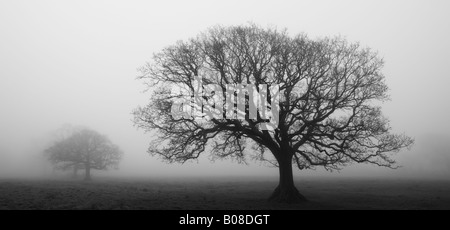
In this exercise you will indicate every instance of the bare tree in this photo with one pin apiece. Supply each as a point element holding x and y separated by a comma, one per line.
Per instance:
<point>84,149</point>
<point>328,112</point>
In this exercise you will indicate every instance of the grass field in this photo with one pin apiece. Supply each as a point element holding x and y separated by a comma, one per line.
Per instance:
<point>223,193</point>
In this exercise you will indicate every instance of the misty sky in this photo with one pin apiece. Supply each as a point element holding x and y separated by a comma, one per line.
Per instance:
<point>75,62</point>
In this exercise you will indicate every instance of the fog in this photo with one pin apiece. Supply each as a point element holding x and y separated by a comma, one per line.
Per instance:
<point>75,62</point>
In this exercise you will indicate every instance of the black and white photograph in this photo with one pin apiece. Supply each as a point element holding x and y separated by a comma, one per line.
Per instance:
<point>198,105</point>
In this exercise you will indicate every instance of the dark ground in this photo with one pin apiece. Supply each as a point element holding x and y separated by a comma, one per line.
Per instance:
<point>224,193</point>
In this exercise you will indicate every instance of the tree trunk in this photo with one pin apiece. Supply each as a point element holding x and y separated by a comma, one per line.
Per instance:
<point>75,171</point>
<point>286,191</point>
<point>88,173</point>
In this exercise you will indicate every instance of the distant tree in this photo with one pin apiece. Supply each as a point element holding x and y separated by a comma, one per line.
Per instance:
<point>328,112</point>
<point>84,149</point>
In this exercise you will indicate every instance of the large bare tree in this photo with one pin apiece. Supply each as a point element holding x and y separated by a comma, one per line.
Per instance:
<point>329,109</point>
<point>84,149</point>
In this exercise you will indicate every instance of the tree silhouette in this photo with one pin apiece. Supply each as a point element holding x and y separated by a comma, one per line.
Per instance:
<point>84,149</point>
<point>328,112</point>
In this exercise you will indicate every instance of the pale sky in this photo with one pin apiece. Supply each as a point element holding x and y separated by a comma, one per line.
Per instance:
<point>75,62</point>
